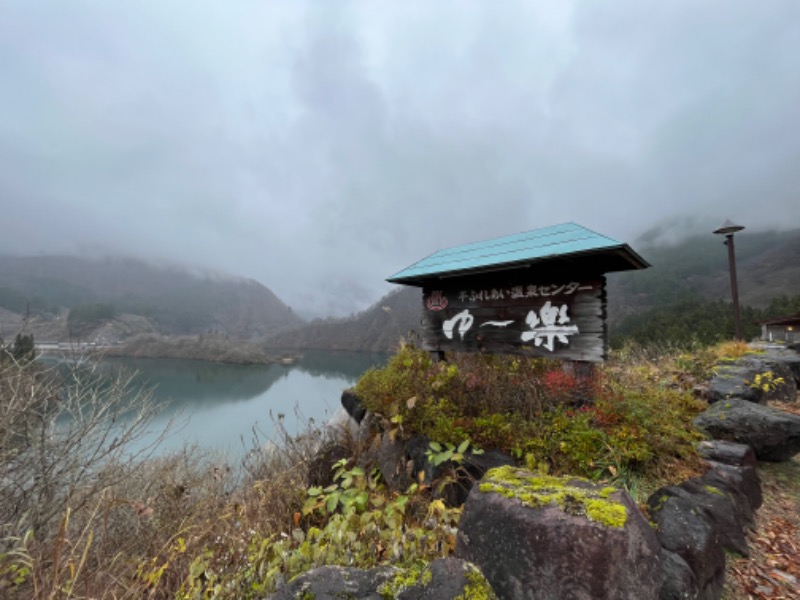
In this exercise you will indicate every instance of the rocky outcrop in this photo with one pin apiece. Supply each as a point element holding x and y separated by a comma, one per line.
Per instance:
<point>733,468</point>
<point>742,483</point>
<point>699,519</point>
<point>773,435</point>
<point>442,579</point>
<point>685,531</point>
<point>535,536</point>
<point>679,580</point>
<point>788,358</point>
<point>573,539</point>
<point>756,378</point>
<point>337,582</point>
<point>729,453</point>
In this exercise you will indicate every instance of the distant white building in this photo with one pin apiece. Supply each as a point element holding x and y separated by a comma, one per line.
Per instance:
<point>784,329</point>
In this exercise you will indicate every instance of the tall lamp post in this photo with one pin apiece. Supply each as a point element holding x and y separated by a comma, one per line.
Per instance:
<point>728,229</point>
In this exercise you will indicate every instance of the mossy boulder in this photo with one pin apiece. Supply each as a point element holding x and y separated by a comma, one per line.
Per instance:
<point>536,536</point>
<point>685,529</point>
<point>774,435</point>
<point>442,579</point>
<point>728,453</point>
<point>755,379</point>
<point>718,507</point>
<point>329,582</point>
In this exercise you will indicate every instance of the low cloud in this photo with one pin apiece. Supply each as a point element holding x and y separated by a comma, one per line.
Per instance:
<point>321,147</point>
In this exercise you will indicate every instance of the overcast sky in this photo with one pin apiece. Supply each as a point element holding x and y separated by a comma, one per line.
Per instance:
<point>319,147</point>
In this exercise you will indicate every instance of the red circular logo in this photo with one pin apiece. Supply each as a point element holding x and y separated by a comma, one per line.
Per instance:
<point>436,300</point>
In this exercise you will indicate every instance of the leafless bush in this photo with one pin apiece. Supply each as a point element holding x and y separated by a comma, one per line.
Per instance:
<point>84,515</point>
<point>69,435</point>
<point>59,429</point>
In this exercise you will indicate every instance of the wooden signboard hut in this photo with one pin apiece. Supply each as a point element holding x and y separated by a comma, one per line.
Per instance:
<point>538,293</point>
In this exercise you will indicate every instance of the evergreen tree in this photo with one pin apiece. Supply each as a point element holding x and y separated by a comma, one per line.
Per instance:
<point>23,350</point>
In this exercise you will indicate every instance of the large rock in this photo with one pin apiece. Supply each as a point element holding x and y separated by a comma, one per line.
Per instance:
<point>442,579</point>
<point>541,537</point>
<point>679,580</point>
<point>755,378</point>
<point>719,508</point>
<point>392,462</point>
<point>732,381</point>
<point>776,376</point>
<point>327,583</point>
<point>729,453</point>
<point>686,531</point>
<point>773,435</point>
<point>788,358</point>
<point>733,469</point>
<point>742,483</point>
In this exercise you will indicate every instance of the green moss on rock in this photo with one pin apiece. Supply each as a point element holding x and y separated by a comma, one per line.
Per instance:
<point>536,490</point>
<point>418,574</point>
<point>713,490</point>
<point>477,588</point>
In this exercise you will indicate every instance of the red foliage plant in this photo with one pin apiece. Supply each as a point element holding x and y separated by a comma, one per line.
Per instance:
<point>560,384</point>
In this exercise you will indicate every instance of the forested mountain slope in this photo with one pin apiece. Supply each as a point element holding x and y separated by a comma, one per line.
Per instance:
<point>377,329</point>
<point>173,300</point>
<point>768,265</point>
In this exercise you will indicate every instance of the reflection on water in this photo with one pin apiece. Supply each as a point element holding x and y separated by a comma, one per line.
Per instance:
<point>217,406</point>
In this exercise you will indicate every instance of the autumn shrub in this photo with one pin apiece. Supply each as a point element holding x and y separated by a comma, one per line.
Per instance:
<point>628,419</point>
<point>732,349</point>
<point>468,397</point>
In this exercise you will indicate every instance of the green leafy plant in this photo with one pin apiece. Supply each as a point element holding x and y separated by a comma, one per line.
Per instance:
<point>766,382</point>
<point>355,521</point>
<point>438,454</point>
<point>451,458</point>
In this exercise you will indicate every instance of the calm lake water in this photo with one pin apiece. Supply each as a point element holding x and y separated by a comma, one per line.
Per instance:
<point>217,406</point>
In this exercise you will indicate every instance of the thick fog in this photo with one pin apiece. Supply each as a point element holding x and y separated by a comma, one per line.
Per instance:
<point>319,147</point>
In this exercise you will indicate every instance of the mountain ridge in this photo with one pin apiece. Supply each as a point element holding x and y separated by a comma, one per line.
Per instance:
<point>175,301</point>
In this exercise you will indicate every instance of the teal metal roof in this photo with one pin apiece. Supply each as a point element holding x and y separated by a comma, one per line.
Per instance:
<point>558,242</point>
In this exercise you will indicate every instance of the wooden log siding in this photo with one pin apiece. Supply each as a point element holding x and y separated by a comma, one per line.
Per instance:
<point>586,311</point>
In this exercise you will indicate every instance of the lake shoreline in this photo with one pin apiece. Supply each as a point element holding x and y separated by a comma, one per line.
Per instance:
<point>211,348</point>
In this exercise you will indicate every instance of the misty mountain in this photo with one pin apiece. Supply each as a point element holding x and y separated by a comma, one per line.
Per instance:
<point>171,300</point>
<point>696,268</point>
<point>376,329</point>
<point>767,266</point>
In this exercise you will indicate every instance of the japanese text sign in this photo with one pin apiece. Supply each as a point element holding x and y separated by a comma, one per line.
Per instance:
<point>558,319</point>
